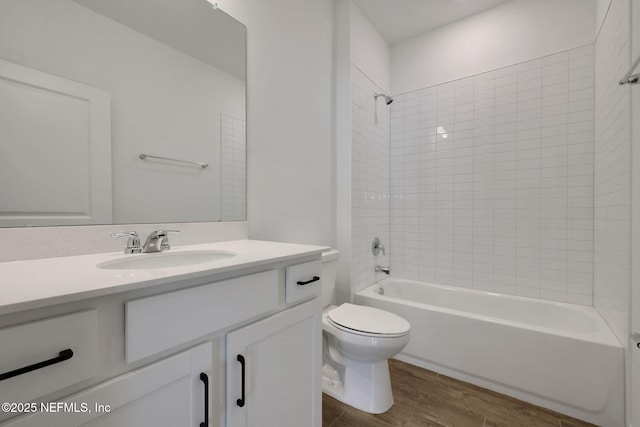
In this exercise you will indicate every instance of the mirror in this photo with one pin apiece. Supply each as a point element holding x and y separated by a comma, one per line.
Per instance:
<point>121,111</point>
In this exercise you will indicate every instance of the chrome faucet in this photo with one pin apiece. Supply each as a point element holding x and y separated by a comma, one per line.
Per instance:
<point>385,270</point>
<point>133,243</point>
<point>157,241</point>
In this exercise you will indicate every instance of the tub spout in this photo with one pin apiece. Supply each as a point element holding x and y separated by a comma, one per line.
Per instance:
<point>385,270</point>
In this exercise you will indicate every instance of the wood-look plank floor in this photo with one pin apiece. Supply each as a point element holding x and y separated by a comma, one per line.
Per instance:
<point>427,399</point>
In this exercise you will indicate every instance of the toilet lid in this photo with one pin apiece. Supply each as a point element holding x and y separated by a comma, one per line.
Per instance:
<point>368,319</point>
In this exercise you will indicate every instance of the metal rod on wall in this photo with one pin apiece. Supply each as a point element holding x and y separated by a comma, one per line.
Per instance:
<point>149,156</point>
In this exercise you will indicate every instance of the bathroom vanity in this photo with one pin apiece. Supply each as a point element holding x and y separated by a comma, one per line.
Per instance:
<point>100,340</point>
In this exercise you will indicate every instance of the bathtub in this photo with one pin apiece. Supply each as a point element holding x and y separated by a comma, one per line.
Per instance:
<point>560,356</point>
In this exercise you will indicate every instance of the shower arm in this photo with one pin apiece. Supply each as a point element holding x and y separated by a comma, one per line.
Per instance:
<point>387,99</point>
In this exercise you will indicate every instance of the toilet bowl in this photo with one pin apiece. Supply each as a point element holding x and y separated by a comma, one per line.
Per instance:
<point>357,342</point>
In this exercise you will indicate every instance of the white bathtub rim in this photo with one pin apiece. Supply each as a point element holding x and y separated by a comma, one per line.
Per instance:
<point>604,335</point>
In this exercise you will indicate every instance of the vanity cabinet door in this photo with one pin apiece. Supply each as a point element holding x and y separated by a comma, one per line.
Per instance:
<point>169,393</point>
<point>273,370</point>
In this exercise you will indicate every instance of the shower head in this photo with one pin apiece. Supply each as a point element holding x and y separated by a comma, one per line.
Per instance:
<point>387,99</point>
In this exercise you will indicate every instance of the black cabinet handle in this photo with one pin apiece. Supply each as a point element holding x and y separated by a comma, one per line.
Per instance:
<point>64,355</point>
<point>240,402</point>
<point>205,379</point>
<point>301,283</point>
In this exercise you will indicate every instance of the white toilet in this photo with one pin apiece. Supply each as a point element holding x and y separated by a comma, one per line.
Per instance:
<point>357,341</point>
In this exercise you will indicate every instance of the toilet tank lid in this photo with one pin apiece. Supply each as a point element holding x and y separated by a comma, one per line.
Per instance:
<point>330,255</point>
<point>368,319</point>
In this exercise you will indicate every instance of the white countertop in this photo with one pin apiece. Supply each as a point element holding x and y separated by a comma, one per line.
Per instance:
<point>26,285</point>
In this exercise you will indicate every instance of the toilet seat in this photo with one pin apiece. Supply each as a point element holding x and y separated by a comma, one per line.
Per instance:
<point>368,321</point>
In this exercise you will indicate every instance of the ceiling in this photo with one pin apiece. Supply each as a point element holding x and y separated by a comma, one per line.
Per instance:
<point>398,20</point>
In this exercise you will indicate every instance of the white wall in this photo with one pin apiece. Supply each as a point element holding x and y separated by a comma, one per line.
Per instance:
<point>362,68</point>
<point>369,51</point>
<point>602,6</point>
<point>343,126</point>
<point>291,194</point>
<point>513,32</point>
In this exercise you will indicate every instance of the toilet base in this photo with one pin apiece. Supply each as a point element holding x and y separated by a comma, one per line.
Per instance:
<point>365,386</point>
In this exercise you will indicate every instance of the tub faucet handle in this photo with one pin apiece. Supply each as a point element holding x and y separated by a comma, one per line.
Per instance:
<point>377,246</point>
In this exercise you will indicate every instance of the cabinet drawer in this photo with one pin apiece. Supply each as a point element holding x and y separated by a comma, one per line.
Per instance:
<point>48,355</point>
<point>158,323</point>
<point>168,393</point>
<point>302,281</point>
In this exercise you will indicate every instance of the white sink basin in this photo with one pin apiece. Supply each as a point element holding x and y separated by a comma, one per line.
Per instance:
<point>165,260</point>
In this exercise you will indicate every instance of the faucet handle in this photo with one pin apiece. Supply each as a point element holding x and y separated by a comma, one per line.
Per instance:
<point>165,242</point>
<point>377,246</point>
<point>161,236</point>
<point>162,233</point>
<point>133,243</point>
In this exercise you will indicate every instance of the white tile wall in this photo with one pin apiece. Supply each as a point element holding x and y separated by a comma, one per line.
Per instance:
<point>370,179</point>
<point>233,197</point>
<point>613,171</point>
<point>492,180</point>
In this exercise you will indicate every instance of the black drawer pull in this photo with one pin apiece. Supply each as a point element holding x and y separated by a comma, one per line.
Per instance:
<point>64,355</point>
<point>205,379</point>
<point>240,402</point>
<point>301,283</point>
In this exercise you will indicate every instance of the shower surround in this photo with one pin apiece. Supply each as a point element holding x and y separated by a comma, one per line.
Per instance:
<point>370,178</point>
<point>514,181</point>
<point>492,180</point>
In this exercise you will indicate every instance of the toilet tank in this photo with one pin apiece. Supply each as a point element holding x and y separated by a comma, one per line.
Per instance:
<point>328,276</point>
